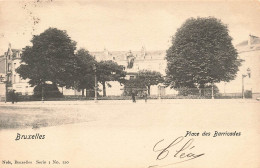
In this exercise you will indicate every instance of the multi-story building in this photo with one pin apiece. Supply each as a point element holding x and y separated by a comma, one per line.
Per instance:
<point>12,60</point>
<point>2,77</point>
<point>134,61</point>
<point>248,76</point>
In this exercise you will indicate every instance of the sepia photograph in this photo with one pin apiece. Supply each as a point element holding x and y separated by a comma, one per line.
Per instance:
<point>129,84</point>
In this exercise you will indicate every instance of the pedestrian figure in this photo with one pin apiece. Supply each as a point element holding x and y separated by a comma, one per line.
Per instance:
<point>12,95</point>
<point>145,96</point>
<point>133,96</point>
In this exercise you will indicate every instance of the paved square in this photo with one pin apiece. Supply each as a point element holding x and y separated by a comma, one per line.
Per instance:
<point>123,134</point>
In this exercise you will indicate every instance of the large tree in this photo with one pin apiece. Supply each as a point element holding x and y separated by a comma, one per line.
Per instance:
<point>84,71</point>
<point>149,78</point>
<point>109,71</point>
<point>201,53</point>
<point>50,58</point>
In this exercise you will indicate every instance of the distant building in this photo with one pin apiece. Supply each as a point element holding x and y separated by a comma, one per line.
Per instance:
<point>249,53</point>
<point>12,60</point>
<point>2,78</point>
<point>134,61</point>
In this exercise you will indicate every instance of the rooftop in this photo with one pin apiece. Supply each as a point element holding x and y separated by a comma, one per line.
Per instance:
<point>122,55</point>
<point>253,43</point>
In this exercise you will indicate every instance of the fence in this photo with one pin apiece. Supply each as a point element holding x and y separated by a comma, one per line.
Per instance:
<point>183,93</point>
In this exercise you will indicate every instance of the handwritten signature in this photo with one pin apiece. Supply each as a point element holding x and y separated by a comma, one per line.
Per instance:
<point>182,154</point>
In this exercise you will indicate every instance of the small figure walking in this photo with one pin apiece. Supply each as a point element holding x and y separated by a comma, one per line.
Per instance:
<point>133,96</point>
<point>145,96</point>
<point>12,95</point>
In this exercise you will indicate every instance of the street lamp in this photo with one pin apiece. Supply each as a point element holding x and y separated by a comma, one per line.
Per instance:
<point>212,90</point>
<point>159,87</point>
<point>42,93</point>
<point>95,87</point>
<point>243,76</point>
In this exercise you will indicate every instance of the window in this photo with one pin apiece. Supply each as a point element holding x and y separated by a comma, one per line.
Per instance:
<point>14,66</point>
<point>1,78</point>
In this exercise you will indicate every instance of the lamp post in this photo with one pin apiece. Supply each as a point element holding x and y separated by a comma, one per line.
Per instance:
<point>159,87</point>
<point>225,89</point>
<point>212,90</point>
<point>95,87</point>
<point>243,76</point>
<point>42,93</point>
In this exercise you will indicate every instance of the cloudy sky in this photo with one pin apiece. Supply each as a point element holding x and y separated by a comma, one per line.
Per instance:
<point>120,25</point>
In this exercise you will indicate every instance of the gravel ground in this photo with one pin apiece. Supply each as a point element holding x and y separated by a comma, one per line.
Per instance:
<point>122,134</point>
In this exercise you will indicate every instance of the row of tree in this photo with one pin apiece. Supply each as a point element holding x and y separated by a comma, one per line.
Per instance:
<point>53,58</point>
<point>201,54</point>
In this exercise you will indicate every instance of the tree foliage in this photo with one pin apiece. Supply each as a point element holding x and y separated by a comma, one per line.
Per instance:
<point>50,58</point>
<point>134,84</point>
<point>109,71</point>
<point>207,90</point>
<point>47,91</point>
<point>201,53</point>
<point>84,78</point>
<point>149,78</point>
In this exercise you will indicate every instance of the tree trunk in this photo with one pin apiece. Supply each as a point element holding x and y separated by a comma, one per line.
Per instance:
<point>82,92</point>
<point>104,89</point>
<point>149,89</point>
<point>86,92</point>
<point>202,88</point>
<point>212,90</point>
<point>43,96</point>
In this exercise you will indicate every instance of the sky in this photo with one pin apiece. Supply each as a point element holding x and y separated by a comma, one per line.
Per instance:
<point>120,25</point>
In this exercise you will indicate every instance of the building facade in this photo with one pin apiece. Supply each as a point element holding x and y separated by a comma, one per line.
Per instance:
<point>2,78</point>
<point>11,61</point>
<point>134,61</point>
<point>248,76</point>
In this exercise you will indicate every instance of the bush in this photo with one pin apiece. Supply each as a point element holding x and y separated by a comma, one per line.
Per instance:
<point>12,96</point>
<point>49,91</point>
<point>248,94</point>
<point>185,91</point>
<point>208,90</point>
<point>203,92</point>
